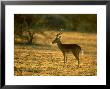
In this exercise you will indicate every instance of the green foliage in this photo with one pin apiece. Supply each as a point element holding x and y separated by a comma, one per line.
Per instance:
<point>68,22</point>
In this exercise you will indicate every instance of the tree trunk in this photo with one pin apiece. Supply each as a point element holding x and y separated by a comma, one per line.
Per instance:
<point>30,39</point>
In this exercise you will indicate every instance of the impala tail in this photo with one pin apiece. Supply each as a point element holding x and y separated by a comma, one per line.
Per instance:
<point>82,52</point>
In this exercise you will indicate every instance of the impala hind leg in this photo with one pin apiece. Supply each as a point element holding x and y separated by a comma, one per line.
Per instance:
<point>76,56</point>
<point>77,59</point>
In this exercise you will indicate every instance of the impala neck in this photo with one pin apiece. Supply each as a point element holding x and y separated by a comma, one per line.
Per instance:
<point>59,43</point>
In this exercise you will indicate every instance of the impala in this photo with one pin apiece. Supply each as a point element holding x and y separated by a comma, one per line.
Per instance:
<point>65,48</point>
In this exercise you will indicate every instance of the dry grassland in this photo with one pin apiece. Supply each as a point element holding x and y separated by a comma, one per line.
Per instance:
<point>45,59</point>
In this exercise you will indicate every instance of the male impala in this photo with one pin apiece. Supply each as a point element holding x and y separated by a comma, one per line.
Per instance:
<point>74,48</point>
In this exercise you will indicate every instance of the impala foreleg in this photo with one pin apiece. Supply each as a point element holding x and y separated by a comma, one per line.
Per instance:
<point>64,57</point>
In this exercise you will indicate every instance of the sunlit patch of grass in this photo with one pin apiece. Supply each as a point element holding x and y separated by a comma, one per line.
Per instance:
<point>47,59</point>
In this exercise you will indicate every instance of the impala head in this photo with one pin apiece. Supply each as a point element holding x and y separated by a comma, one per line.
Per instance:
<point>57,39</point>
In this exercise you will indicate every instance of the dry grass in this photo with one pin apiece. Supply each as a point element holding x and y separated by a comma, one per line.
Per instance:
<point>47,60</point>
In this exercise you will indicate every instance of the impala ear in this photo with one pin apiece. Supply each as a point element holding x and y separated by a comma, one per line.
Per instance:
<point>60,33</point>
<point>59,36</point>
